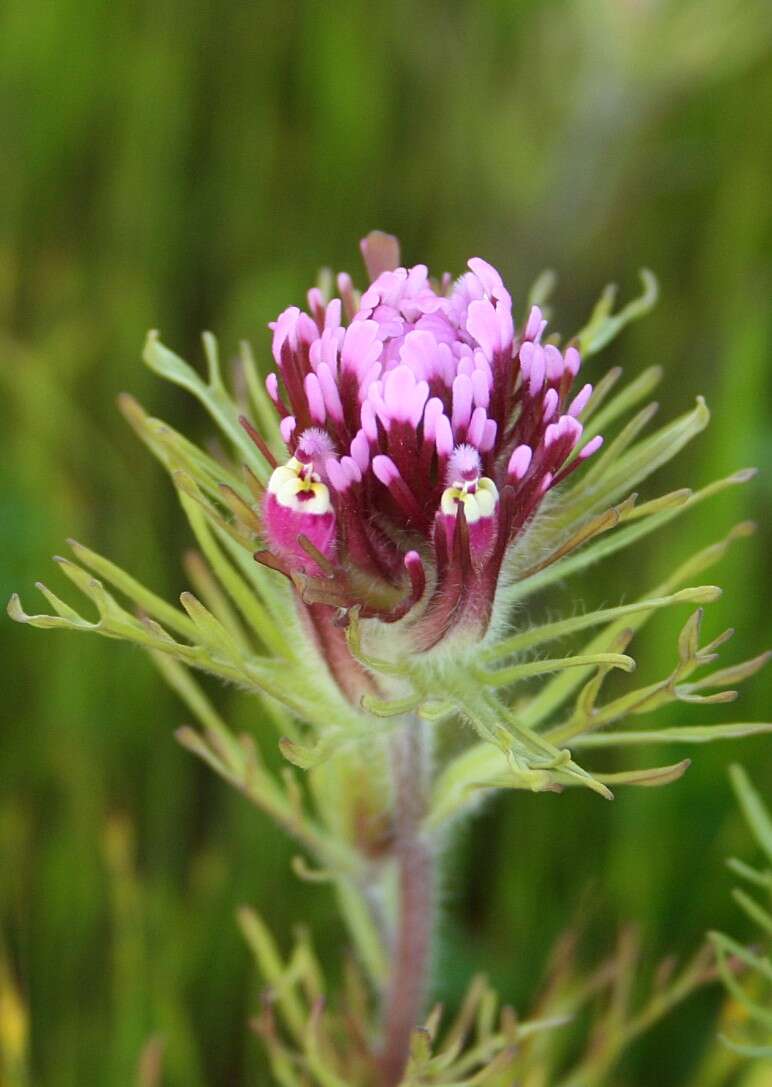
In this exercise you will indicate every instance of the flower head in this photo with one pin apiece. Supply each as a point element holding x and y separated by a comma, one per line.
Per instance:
<point>423,432</point>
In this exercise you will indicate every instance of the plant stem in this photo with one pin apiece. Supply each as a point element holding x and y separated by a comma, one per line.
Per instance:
<point>415,897</point>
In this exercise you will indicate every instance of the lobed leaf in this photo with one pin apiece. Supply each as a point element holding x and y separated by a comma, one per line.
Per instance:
<point>212,394</point>
<point>604,324</point>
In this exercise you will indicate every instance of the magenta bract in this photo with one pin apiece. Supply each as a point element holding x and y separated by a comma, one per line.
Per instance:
<point>422,432</point>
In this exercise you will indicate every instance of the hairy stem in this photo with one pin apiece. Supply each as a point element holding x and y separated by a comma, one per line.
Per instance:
<point>415,902</point>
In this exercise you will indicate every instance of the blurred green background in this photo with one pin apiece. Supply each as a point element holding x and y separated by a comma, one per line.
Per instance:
<point>189,166</point>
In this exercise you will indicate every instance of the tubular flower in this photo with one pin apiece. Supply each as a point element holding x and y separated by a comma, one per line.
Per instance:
<point>423,433</point>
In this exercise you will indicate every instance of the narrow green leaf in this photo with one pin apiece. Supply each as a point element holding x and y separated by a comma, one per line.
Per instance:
<point>66,619</point>
<point>136,592</point>
<point>735,673</point>
<point>756,912</point>
<point>208,589</point>
<point>623,537</point>
<point>756,814</point>
<point>600,392</point>
<point>653,776</point>
<point>265,411</point>
<point>542,288</point>
<point>392,708</point>
<point>245,598</point>
<point>547,632</point>
<point>686,734</point>
<point>212,396</point>
<point>624,400</point>
<point>740,868</point>
<point>600,465</point>
<point>604,325</point>
<point>197,745</point>
<point>632,467</point>
<point>725,947</point>
<point>266,953</point>
<point>745,1049</point>
<point>554,693</point>
<point>211,631</point>
<point>185,686</point>
<point>504,677</point>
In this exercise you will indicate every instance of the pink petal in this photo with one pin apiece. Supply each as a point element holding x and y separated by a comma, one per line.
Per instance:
<point>526,357</point>
<point>380,252</point>
<point>332,314</point>
<point>535,325</point>
<point>519,462</point>
<point>398,391</point>
<point>315,399</point>
<point>432,412</point>
<point>444,436</point>
<point>554,363</point>
<point>419,353</point>
<point>489,436</point>
<point>579,403</point>
<point>506,326</point>
<point>283,329</point>
<point>330,392</point>
<point>546,483</point>
<point>361,346</point>
<point>573,361</point>
<point>551,400</point>
<point>337,475</point>
<point>462,401</point>
<point>384,469</point>
<point>360,450</point>
<point>488,276</point>
<point>369,424</point>
<point>481,388</point>
<point>272,387</point>
<point>476,431</point>
<point>483,326</point>
<point>538,371</point>
<point>592,446</point>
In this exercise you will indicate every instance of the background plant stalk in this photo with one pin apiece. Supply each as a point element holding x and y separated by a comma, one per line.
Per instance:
<point>415,900</point>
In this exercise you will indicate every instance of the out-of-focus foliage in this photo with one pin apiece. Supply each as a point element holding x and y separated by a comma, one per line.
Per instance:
<point>752,997</point>
<point>190,166</point>
<point>485,1042</point>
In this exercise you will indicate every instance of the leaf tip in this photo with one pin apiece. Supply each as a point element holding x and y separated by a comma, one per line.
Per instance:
<point>294,753</point>
<point>15,610</point>
<point>744,475</point>
<point>702,411</point>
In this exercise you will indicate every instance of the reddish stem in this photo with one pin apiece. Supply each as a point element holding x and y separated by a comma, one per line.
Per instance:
<point>412,945</point>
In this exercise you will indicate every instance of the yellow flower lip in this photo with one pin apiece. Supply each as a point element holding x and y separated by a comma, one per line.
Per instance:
<point>479,496</point>
<point>296,486</point>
